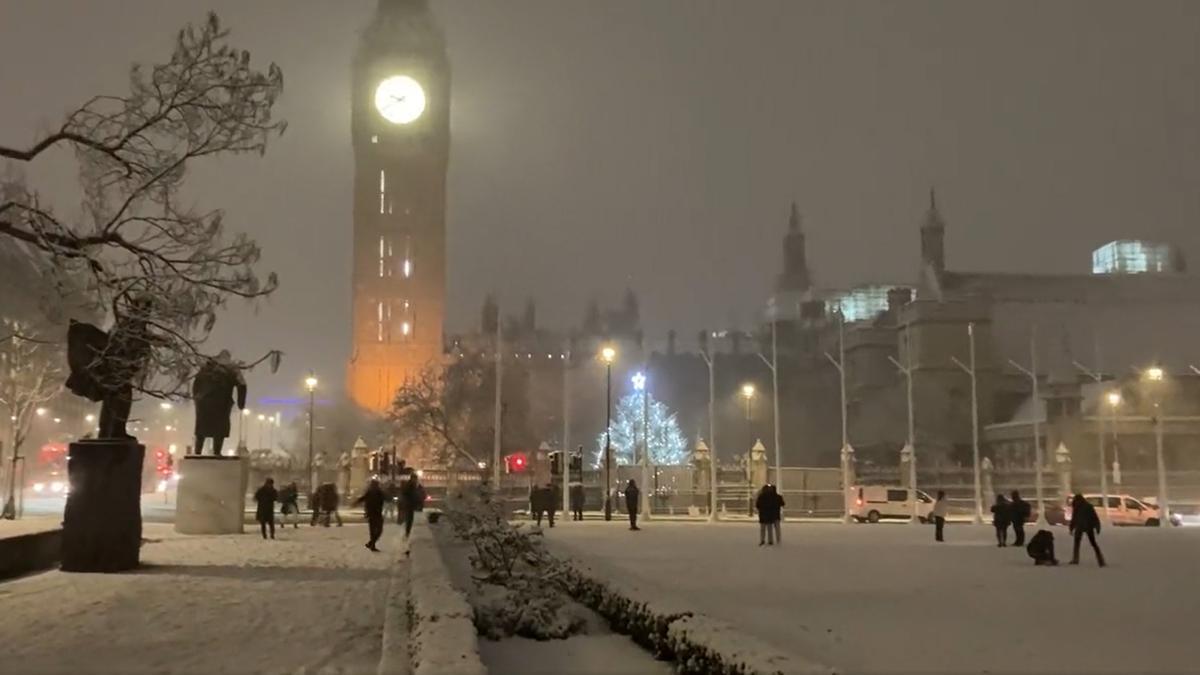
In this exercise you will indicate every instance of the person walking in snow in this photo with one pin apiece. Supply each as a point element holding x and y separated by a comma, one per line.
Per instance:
<point>289,505</point>
<point>939,516</point>
<point>537,504</point>
<point>372,501</point>
<point>551,498</point>
<point>769,505</point>
<point>1085,521</point>
<point>576,496</point>
<point>265,497</point>
<point>1001,516</point>
<point>412,500</point>
<point>1019,512</point>
<point>631,503</point>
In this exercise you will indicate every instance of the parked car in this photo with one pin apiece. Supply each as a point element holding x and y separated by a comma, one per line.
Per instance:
<point>1127,510</point>
<point>872,503</point>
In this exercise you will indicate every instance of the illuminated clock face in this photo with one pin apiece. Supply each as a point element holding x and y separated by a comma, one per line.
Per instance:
<point>400,99</point>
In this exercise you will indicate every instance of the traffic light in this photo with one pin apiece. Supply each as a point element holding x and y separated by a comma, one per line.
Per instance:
<point>516,463</point>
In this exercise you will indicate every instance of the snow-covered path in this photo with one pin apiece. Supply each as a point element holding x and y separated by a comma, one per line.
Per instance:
<point>311,601</point>
<point>888,599</point>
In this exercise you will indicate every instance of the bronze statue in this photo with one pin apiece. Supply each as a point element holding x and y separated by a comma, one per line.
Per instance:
<point>213,391</point>
<point>105,366</point>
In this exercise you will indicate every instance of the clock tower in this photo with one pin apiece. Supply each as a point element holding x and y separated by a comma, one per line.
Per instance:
<point>400,128</point>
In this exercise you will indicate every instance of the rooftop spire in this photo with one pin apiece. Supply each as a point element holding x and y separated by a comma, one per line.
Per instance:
<point>794,220</point>
<point>932,198</point>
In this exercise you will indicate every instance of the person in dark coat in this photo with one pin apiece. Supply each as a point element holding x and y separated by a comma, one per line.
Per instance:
<point>372,502</point>
<point>632,493</point>
<point>552,496</point>
<point>1001,517</point>
<point>576,497</point>
<point>1084,520</point>
<point>1019,512</point>
<point>325,504</point>
<point>213,391</point>
<point>265,497</point>
<point>1041,548</point>
<point>412,500</point>
<point>769,505</point>
<point>289,504</point>
<point>537,504</point>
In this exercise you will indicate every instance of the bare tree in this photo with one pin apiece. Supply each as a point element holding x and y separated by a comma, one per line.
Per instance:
<point>142,250</point>
<point>32,370</point>
<point>426,414</point>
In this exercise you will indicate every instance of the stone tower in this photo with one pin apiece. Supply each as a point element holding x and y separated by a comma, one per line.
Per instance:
<point>795,275</point>
<point>933,237</point>
<point>400,130</point>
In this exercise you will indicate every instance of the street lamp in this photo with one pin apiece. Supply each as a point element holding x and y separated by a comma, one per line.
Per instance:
<point>261,418</point>
<point>608,354</point>
<point>748,394</point>
<point>310,383</point>
<point>970,371</point>
<point>1031,373</point>
<point>639,384</point>
<point>847,452</point>
<point>1156,375</point>
<point>40,412</point>
<point>165,405</point>
<point>1114,401</point>
<point>911,445</point>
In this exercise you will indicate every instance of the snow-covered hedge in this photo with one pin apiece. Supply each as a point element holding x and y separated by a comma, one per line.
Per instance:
<point>441,635</point>
<point>698,644</point>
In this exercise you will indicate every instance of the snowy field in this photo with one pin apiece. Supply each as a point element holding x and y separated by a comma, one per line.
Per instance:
<point>888,599</point>
<point>309,602</point>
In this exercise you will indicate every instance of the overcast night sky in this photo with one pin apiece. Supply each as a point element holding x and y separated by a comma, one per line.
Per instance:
<point>656,144</point>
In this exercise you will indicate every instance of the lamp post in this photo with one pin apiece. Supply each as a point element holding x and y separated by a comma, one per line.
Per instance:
<point>566,439</point>
<point>1114,401</point>
<point>1098,378</point>
<point>608,354</point>
<point>773,366</point>
<point>712,428</point>
<point>261,421</point>
<point>748,394</point>
<point>639,384</point>
<point>241,431</point>
<point>970,370</point>
<point>310,382</point>
<point>847,452</point>
<point>910,448</point>
<point>1156,377</point>
<point>1031,373</point>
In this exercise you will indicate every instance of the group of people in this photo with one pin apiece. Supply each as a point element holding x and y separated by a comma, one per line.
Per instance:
<point>1015,512</point>
<point>407,497</point>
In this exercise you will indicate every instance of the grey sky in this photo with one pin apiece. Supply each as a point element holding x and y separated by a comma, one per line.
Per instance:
<point>657,143</point>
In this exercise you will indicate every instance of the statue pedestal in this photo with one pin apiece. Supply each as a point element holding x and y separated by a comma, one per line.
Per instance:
<point>211,497</point>
<point>102,523</point>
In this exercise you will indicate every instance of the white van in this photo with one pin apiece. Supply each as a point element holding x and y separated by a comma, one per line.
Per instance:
<point>1126,510</point>
<point>872,503</point>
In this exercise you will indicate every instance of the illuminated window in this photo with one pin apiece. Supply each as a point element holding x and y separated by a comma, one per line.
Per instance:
<point>379,322</point>
<point>374,139</point>
<point>382,190</point>
<point>407,268</point>
<point>860,304</point>
<point>406,328</point>
<point>386,266</point>
<point>1136,257</point>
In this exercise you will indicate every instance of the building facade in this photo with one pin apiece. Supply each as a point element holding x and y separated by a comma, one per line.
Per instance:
<point>400,129</point>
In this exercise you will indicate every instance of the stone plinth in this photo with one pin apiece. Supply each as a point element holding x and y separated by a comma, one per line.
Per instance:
<point>102,523</point>
<point>211,497</point>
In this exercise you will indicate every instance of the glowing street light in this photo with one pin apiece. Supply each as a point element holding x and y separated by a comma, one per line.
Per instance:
<point>165,405</point>
<point>310,383</point>
<point>40,412</point>
<point>1155,374</point>
<point>608,354</point>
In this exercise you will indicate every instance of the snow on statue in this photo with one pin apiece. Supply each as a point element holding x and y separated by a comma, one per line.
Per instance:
<point>667,444</point>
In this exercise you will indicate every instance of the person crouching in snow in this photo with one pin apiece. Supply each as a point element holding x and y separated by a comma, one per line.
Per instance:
<point>939,516</point>
<point>769,505</point>
<point>1041,548</point>
<point>265,496</point>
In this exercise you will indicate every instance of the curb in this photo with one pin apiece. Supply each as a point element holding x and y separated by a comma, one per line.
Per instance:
<point>442,639</point>
<point>393,657</point>
<point>33,552</point>
<point>696,642</point>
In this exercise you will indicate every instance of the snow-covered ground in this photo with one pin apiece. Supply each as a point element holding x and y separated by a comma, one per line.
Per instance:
<point>311,601</point>
<point>888,599</point>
